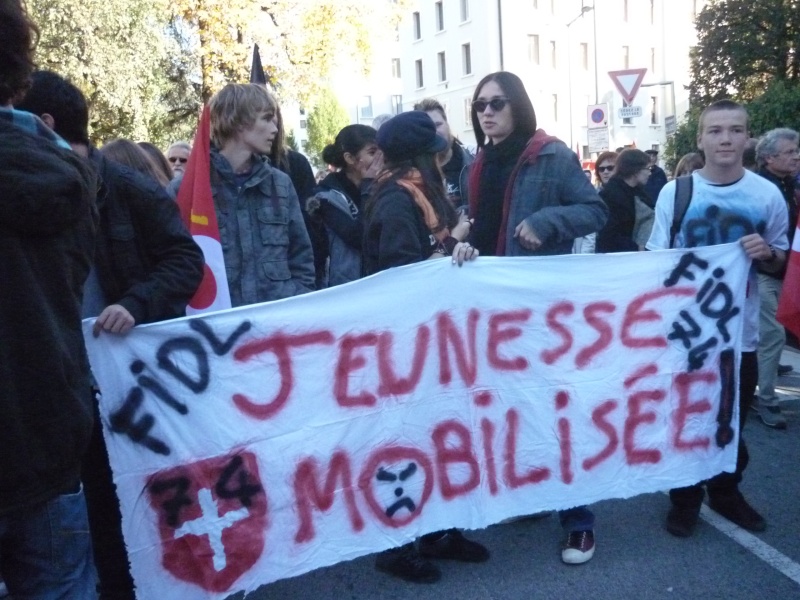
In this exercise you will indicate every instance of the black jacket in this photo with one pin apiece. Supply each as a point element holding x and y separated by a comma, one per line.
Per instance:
<point>47,231</point>
<point>787,187</point>
<point>146,260</point>
<point>617,234</point>
<point>656,181</point>
<point>297,167</point>
<point>395,232</point>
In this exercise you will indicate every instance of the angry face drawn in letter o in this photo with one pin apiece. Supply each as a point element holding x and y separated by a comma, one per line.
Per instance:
<point>411,464</point>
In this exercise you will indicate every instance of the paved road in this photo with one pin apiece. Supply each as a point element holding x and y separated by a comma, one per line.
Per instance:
<point>636,558</point>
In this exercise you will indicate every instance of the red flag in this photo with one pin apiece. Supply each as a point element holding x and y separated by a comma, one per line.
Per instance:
<point>196,204</point>
<point>789,303</point>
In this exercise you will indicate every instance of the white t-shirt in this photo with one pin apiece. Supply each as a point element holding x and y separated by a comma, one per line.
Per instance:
<point>719,214</point>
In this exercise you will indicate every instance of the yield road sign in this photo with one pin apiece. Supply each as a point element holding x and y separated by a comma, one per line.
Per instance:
<point>628,82</point>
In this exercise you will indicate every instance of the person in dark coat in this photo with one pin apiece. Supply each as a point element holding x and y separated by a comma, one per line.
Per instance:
<point>48,223</point>
<point>657,178</point>
<point>408,220</point>
<point>620,193</point>
<point>146,269</point>
<point>299,170</point>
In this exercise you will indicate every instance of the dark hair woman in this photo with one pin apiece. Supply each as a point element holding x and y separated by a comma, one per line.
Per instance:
<point>631,213</point>
<point>158,158</point>
<point>128,153</point>
<point>337,202</point>
<point>409,219</point>
<point>299,170</point>
<point>527,191</point>
<point>529,196</point>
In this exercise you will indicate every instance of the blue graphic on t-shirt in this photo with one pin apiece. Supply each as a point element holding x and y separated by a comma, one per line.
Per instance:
<point>716,225</point>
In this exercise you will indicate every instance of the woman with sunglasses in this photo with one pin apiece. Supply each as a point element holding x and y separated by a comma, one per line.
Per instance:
<point>529,196</point>
<point>527,191</point>
<point>603,167</point>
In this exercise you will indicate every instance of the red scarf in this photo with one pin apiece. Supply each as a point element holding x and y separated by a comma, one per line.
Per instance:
<point>413,183</point>
<point>528,156</point>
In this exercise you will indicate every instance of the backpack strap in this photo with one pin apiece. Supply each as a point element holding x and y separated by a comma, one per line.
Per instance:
<point>683,196</point>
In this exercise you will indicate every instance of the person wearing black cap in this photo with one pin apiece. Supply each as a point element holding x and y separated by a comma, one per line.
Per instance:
<point>409,219</point>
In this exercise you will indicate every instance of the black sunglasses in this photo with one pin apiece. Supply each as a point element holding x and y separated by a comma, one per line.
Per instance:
<point>174,159</point>
<point>497,104</point>
<point>601,169</point>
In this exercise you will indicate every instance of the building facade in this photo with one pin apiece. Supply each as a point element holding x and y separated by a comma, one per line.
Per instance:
<point>563,51</point>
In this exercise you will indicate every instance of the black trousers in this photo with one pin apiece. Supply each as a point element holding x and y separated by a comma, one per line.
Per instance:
<point>726,484</point>
<point>105,520</point>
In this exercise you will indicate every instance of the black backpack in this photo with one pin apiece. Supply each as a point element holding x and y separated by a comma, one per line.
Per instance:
<point>683,196</point>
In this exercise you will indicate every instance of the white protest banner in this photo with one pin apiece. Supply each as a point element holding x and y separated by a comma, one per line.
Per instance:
<point>263,442</point>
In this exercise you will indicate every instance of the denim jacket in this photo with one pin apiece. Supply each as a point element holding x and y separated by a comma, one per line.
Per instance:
<point>556,199</point>
<point>265,244</point>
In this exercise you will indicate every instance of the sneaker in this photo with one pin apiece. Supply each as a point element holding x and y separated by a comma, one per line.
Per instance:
<point>681,520</point>
<point>736,509</point>
<point>771,416</point>
<point>784,370</point>
<point>578,547</point>
<point>452,545</point>
<point>406,563</point>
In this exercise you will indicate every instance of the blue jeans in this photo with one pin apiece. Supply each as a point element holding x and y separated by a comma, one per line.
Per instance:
<point>46,551</point>
<point>579,518</point>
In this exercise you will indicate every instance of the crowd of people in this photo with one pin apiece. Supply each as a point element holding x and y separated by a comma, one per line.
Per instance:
<point>88,232</point>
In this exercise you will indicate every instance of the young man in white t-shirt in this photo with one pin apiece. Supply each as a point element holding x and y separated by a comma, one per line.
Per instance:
<point>728,203</point>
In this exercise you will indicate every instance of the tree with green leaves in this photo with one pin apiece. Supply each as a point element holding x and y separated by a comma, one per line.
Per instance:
<point>742,47</point>
<point>325,120</point>
<point>683,141</point>
<point>746,51</point>
<point>113,51</point>
<point>146,66</point>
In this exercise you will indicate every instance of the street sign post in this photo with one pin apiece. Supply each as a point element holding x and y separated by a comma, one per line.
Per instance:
<point>670,125</point>
<point>597,116</point>
<point>597,127</point>
<point>628,112</point>
<point>627,82</point>
<point>598,139</point>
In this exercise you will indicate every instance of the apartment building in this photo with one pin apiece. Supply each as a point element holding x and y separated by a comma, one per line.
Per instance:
<point>563,51</point>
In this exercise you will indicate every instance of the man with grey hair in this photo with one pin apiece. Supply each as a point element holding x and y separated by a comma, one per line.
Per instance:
<point>777,155</point>
<point>178,155</point>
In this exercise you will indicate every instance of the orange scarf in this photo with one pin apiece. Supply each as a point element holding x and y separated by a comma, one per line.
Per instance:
<point>413,183</point>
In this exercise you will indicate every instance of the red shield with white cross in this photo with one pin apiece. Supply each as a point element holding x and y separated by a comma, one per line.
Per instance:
<point>212,518</point>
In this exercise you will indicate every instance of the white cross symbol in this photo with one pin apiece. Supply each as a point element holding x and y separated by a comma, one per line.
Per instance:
<point>211,524</point>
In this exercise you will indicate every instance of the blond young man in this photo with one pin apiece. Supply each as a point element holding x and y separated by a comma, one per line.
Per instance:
<point>265,244</point>
<point>724,191</point>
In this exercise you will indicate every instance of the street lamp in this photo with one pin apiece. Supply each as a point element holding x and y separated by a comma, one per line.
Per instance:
<point>584,10</point>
